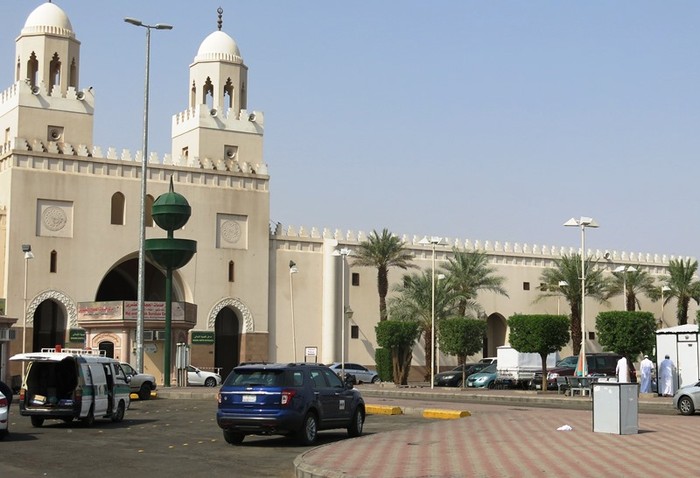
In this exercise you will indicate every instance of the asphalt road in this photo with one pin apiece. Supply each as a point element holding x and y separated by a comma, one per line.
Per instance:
<point>158,438</point>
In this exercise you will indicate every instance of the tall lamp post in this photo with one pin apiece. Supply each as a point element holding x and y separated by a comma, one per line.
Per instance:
<point>293,270</point>
<point>624,270</point>
<point>144,171</point>
<point>343,252</point>
<point>582,223</point>
<point>433,241</point>
<point>27,249</point>
<point>664,288</point>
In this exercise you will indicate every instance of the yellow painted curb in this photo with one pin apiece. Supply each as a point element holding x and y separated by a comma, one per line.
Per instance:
<point>445,414</point>
<point>382,410</point>
<point>135,396</point>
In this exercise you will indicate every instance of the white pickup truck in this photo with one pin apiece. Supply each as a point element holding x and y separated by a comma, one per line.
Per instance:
<point>139,383</point>
<point>517,370</point>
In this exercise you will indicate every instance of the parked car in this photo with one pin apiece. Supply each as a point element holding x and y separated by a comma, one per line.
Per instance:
<point>488,360</point>
<point>139,383</point>
<point>196,376</point>
<point>453,378</point>
<point>599,364</point>
<point>359,373</point>
<point>4,415</point>
<point>484,379</point>
<point>687,399</point>
<point>287,399</point>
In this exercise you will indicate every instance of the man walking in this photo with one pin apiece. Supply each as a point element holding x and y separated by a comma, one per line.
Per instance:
<point>622,370</point>
<point>666,377</point>
<point>646,368</point>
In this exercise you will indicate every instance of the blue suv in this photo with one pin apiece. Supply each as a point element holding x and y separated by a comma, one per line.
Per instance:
<point>294,399</point>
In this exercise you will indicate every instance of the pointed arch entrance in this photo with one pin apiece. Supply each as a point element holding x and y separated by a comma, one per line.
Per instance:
<point>49,325</point>
<point>496,328</point>
<point>231,320</point>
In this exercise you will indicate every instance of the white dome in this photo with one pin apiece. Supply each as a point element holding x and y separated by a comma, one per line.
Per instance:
<point>48,15</point>
<point>219,46</point>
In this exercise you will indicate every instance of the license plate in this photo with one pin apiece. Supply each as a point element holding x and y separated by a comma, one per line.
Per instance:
<point>248,399</point>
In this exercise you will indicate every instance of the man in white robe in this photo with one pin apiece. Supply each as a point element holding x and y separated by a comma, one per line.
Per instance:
<point>666,377</point>
<point>645,369</point>
<point>622,370</point>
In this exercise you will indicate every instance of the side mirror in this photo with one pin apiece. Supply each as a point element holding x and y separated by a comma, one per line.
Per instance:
<point>349,381</point>
<point>128,378</point>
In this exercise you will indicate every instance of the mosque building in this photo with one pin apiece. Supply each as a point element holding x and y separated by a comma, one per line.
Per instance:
<point>70,224</point>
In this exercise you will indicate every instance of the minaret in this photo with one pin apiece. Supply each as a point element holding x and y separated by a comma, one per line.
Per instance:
<point>216,129</point>
<point>44,104</point>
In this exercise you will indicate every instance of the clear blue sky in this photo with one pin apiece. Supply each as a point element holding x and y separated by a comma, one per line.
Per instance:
<point>477,120</point>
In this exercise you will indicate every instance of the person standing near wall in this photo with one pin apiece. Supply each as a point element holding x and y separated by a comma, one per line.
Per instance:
<point>666,377</point>
<point>622,370</point>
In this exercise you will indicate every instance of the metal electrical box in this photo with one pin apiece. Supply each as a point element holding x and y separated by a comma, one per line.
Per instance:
<point>616,408</point>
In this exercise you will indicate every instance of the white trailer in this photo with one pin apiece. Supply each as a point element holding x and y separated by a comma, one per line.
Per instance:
<point>517,369</point>
<point>680,343</point>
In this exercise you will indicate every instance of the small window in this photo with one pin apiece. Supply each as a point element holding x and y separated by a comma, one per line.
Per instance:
<point>185,153</point>
<point>117,209</point>
<point>356,279</point>
<point>53,262</point>
<point>591,335</point>
<point>354,332</point>
<point>526,286</point>
<point>230,271</point>
<point>149,210</point>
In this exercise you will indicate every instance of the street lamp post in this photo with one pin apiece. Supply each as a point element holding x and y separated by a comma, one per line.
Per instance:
<point>27,249</point>
<point>582,223</point>
<point>293,270</point>
<point>624,270</point>
<point>144,171</point>
<point>343,253</point>
<point>433,241</point>
<point>663,289</point>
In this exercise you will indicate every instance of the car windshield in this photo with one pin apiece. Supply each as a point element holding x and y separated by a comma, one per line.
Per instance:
<point>490,369</point>
<point>255,378</point>
<point>568,362</point>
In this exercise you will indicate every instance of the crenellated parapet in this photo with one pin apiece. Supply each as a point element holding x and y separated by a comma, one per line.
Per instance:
<point>203,116</point>
<point>497,249</point>
<point>22,93</point>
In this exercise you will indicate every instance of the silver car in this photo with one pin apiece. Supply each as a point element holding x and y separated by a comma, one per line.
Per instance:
<point>687,399</point>
<point>360,373</point>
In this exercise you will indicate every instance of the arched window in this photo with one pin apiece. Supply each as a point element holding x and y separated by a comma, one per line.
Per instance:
<point>73,80</point>
<point>19,64</point>
<point>32,69</point>
<point>54,262</point>
<point>193,96</point>
<point>228,95</point>
<point>230,271</point>
<point>117,209</point>
<point>208,93</point>
<point>149,210</point>
<point>54,72</point>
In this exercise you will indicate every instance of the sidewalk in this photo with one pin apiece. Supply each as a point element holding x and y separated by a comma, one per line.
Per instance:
<point>502,438</point>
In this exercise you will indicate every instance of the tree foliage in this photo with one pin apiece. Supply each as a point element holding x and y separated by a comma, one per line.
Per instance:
<point>461,336</point>
<point>568,270</point>
<point>399,337</point>
<point>627,333</point>
<point>683,285</point>
<point>540,334</point>
<point>383,251</point>
<point>632,283</point>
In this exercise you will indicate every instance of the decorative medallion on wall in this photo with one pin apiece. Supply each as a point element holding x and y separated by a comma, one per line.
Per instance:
<point>231,231</point>
<point>54,218</point>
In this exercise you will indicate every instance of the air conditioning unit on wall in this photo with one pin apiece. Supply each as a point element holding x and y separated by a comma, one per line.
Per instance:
<point>160,334</point>
<point>148,336</point>
<point>7,334</point>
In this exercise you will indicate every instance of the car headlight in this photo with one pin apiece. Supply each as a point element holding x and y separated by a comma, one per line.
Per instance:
<point>552,375</point>
<point>481,379</point>
<point>448,377</point>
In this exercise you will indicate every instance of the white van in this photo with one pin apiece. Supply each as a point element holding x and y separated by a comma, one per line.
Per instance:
<point>72,383</point>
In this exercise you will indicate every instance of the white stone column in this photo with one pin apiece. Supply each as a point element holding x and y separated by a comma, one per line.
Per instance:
<point>329,326</point>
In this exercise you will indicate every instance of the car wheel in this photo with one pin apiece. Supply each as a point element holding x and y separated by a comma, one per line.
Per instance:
<point>309,429</point>
<point>492,385</point>
<point>118,415</point>
<point>685,406</point>
<point>90,419</point>
<point>210,382</point>
<point>375,379</point>
<point>358,421</point>
<point>37,422</point>
<point>3,434</point>
<point>233,438</point>
<point>145,391</point>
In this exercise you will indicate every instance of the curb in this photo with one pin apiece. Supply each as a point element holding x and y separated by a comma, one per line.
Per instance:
<point>445,414</point>
<point>382,410</point>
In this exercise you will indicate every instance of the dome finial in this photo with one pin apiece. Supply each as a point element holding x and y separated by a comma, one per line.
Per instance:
<point>220,22</point>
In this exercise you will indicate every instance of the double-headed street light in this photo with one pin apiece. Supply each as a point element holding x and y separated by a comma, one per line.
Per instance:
<point>144,171</point>
<point>624,270</point>
<point>433,241</point>
<point>345,311</point>
<point>582,223</point>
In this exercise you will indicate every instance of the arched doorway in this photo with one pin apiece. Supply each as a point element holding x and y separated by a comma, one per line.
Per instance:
<point>121,283</point>
<point>495,334</point>
<point>49,326</point>
<point>227,345</point>
<point>108,348</point>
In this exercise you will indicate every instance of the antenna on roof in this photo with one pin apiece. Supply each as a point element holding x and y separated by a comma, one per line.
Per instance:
<point>220,22</point>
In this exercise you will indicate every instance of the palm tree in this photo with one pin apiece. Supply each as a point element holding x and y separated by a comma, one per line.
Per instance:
<point>568,270</point>
<point>634,281</point>
<point>469,273</point>
<point>383,252</point>
<point>414,302</point>
<point>683,286</point>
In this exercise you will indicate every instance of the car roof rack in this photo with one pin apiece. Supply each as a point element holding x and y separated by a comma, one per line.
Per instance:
<point>61,350</point>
